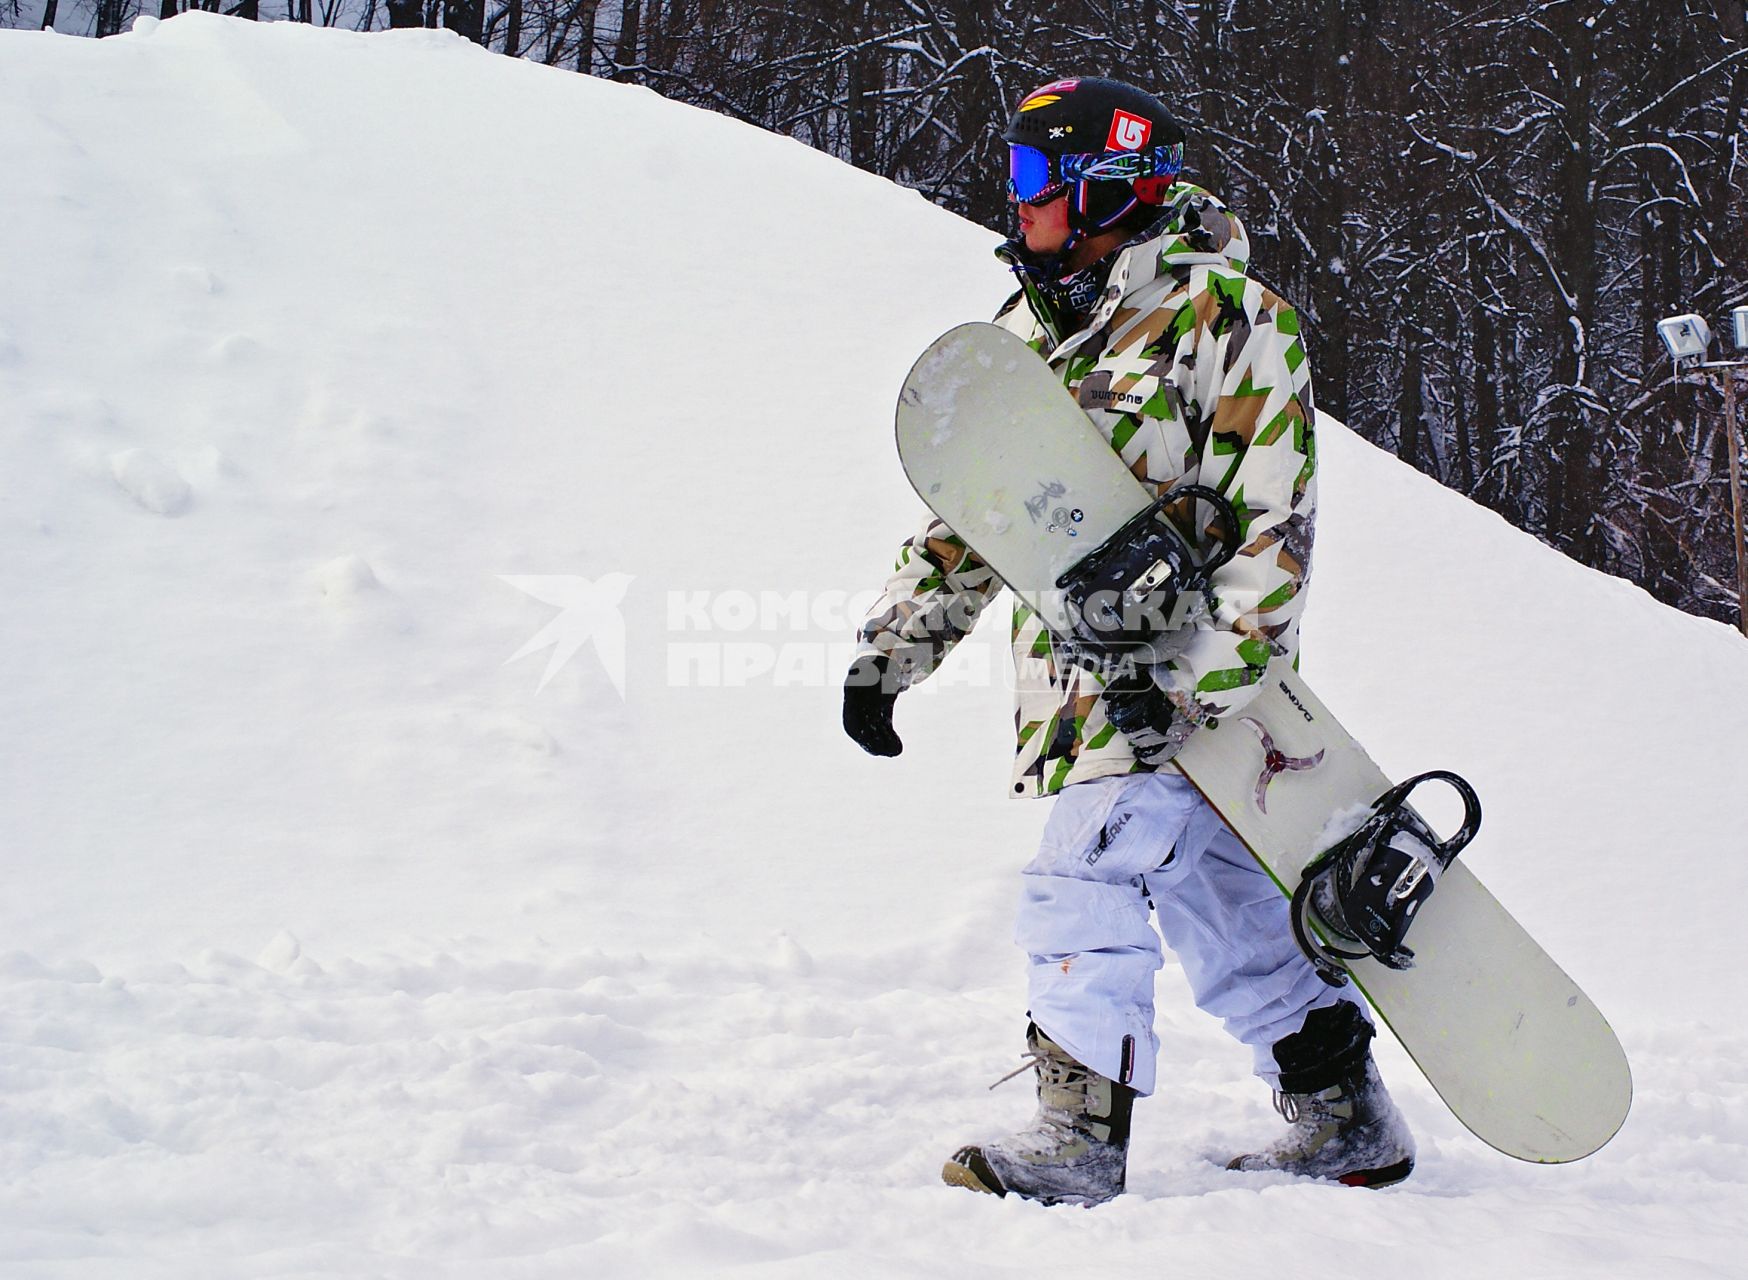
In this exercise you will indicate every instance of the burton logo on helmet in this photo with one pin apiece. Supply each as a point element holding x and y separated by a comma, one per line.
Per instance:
<point>1128,132</point>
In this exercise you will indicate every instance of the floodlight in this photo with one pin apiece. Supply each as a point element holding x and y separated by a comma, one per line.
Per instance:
<point>1687,337</point>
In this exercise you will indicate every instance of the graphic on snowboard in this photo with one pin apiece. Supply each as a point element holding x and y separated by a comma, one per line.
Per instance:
<point>1275,761</point>
<point>1516,1050</point>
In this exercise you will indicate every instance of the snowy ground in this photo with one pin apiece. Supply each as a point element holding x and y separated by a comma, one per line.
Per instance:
<point>335,944</point>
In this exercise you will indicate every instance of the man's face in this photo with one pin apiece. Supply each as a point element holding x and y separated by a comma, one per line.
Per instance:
<point>1044,227</point>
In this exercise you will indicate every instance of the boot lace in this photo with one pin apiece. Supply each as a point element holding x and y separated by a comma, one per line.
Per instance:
<point>1053,1125</point>
<point>1030,1060</point>
<point>1314,1108</point>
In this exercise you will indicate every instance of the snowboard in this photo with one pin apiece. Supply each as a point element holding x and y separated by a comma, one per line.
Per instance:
<point>996,446</point>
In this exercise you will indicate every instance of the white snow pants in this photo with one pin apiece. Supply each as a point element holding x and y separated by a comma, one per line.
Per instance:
<point>1113,848</point>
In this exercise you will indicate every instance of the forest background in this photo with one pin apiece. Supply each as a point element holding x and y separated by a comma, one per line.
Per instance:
<point>1480,207</point>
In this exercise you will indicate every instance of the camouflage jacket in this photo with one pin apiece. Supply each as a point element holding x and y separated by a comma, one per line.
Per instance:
<point>1195,373</point>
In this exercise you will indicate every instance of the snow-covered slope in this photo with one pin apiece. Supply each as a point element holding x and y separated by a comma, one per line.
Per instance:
<point>334,943</point>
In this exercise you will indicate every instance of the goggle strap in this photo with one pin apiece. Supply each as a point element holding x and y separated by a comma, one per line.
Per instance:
<point>1111,165</point>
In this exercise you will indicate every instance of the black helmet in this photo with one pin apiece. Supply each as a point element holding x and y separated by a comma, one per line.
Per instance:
<point>1113,148</point>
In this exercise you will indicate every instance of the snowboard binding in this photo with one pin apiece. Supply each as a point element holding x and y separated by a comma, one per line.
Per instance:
<point>1145,580</point>
<point>1367,888</point>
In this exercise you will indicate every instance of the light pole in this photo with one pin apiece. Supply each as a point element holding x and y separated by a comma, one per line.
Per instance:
<point>1687,338</point>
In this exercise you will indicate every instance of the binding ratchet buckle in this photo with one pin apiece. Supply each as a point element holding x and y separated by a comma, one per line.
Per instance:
<point>1127,592</point>
<point>1367,888</point>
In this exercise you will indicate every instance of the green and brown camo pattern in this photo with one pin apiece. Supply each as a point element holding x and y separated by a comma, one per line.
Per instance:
<point>1195,373</point>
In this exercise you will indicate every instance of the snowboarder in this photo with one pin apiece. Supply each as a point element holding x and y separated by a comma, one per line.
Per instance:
<point>1133,285</point>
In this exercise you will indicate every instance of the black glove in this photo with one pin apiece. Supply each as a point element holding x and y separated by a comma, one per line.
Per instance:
<point>869,694</point>
<point>1142,714</point>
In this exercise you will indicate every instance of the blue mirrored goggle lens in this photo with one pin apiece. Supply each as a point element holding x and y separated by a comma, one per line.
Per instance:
<point>1028,172</point>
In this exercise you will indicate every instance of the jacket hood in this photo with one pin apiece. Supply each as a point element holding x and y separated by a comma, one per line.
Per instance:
<point>1199,228</point>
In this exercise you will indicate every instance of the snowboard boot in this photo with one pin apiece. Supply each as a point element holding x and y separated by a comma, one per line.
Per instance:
<point>1343,1125</point>
<point>1076,1149</point>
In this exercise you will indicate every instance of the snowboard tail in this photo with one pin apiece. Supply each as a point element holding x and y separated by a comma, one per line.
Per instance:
<point>1512,1045</point>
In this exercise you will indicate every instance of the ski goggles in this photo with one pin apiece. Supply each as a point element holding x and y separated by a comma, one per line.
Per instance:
<point>1034,176</point>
